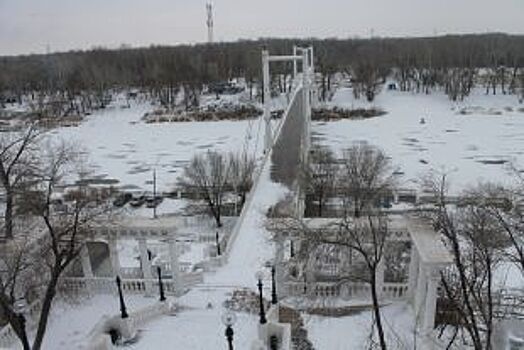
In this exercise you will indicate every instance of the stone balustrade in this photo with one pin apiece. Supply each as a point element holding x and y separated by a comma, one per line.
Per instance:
<point>390,291</point>
<point>107,285</point>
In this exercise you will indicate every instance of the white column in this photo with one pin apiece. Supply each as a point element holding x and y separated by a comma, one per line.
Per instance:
<point>294,62</point>
<point>113,256</point>
<point>86,262</point>
<point>420,292</point>
<point>314,88</point>
<point>430,305</point>
<point>307,106</point>
<point>379,276</point>
<point>268,139</point>
<point>312,60</point>
<point>279,276</point>
<point>146,265</point>
<point>413,272</point>
<point>175,267</point>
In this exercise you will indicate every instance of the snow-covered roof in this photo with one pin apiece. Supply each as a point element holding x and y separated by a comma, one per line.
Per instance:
<point>430,247</point>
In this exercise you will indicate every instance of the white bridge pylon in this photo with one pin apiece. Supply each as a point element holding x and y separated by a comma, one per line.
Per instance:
<point>304,55</point>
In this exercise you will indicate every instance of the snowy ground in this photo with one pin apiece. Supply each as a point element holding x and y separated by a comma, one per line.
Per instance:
<point>468,147</point>
<point>198,326</point>
<point>70,323</point>
<point>353,332</point>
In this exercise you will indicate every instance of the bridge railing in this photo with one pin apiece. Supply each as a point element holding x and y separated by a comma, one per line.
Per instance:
<point>250,196</point>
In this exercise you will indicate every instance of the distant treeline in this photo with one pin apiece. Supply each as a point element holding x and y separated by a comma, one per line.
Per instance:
<point>450,62</point>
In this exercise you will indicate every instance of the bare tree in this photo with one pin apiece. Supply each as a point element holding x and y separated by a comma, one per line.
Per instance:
<point>17,163</point>
<point>242,167</point>
<point>207,176</point>
<point>366,176</point>
<point>33,264</point>
<point>319,175</point>
<point>368,238</point>
<point>475,240</point>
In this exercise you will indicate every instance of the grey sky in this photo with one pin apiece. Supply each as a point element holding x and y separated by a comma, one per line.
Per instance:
<point>31,25</point>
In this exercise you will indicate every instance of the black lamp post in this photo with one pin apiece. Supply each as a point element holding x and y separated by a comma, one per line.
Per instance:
<point>259,275</point>
<point>160,284</point>
<point>274,299</point>
<point>218,244</point>
<point>229,320</point>
<point>123,311</point>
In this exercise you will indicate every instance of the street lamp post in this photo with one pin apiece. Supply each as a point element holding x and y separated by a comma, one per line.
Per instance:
<point>259,275</point>
<point>274,299</point>
<point>123,311</point>
<point>218,244</point>
<point>160,284</point>
<point>229,319</point>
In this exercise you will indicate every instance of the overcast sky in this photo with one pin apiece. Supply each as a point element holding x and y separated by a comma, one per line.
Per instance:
<point>35,25</point>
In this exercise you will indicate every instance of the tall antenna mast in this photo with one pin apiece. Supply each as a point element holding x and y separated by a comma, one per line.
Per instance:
<point>209,8</point>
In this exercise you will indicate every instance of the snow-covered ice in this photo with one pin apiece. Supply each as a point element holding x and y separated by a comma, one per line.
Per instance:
<point>121,146</point>
<point>468,147</point>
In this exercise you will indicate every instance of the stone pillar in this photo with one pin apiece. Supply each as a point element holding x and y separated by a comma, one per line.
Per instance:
<point>87,270</point>
<point>146,265</point>
<point>86,262</point>
<point>381,267</point>
<point>113,256</point>
<point>420,292</point>
<point>294,62</point>
<point>430,305</point>
<point>176,275</point>
<point>306,107</point>
<point>279,265</point>
<point>413,272</point>
<point>311,60</point>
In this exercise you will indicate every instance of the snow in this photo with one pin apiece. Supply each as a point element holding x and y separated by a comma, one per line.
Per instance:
<point>448,142</point>
<point>121,146</point>
<point>352,332</point>
<point>70,323</point>
<point>197,326</point>
<point>167,207</point>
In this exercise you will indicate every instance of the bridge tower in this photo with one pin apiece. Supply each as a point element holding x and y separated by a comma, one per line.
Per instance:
<point>304,55</point>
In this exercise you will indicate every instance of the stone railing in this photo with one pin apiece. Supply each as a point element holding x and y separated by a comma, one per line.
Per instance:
<point>390,291</point>
<point>107,285</point>
<point>185,267</point>
<point>395,291</point>
<point>131,272</point>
